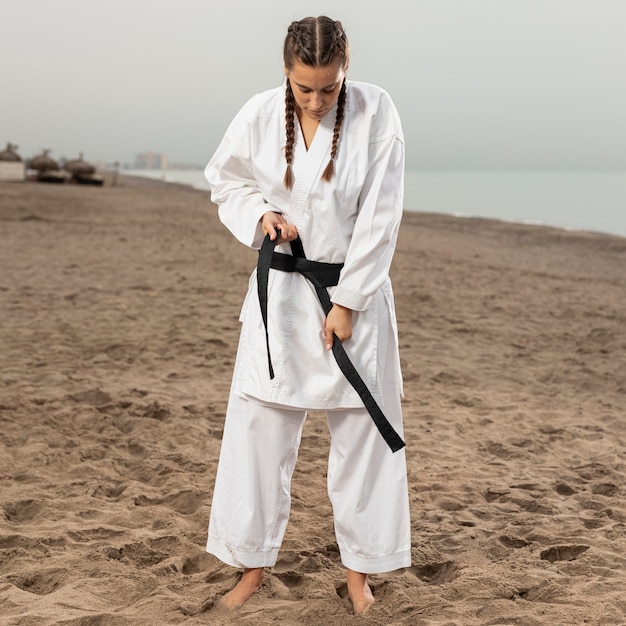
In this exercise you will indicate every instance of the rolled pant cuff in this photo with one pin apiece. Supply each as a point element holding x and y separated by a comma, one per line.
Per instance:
<point>238,558</point>
<point>378,564</point>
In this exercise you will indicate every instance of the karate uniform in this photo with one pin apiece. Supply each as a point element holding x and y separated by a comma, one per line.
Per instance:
<point>354,220</point>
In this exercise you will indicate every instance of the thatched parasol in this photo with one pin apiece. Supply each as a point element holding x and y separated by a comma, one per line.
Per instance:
<point>9,153</point>
<point>42,162</point>
<point>80,167</point>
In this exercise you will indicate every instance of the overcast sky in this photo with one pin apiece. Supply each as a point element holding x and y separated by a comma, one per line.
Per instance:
<point>478,83</point>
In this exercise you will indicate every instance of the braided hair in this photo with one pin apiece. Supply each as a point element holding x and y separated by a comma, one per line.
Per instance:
<point>317,42</point>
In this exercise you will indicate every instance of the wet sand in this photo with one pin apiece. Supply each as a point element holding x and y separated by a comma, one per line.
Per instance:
<point>119,311</point>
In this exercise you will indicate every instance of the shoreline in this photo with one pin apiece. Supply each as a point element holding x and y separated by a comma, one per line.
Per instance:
<point>618,230</point>
<point>120,326</point>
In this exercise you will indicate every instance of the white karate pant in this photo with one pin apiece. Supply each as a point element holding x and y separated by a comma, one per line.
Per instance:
<point>367,485</point>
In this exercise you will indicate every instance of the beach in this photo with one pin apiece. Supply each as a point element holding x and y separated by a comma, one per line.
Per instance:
<point>119,329</point>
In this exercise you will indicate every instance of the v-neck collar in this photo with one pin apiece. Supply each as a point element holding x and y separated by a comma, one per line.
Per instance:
<point>323,133</point>
<point>308,164</point>
<point>302,132</point>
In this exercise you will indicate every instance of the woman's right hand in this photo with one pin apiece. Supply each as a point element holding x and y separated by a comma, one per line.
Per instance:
<point>275,225</point>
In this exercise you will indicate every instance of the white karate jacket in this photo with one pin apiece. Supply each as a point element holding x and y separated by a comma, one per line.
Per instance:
<point>353,219</point>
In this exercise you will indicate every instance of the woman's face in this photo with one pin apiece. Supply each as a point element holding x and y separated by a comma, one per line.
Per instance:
<point>315,89</point>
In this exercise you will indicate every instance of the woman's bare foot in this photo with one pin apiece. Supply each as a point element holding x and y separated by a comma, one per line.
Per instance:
<point>359,591</point>
<point>249,584</point>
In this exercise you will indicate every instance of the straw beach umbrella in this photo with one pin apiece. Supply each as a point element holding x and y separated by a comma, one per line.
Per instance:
<point>43,162</point>
<point>83,172</point>
<point>47,169</point>
<point>9,154</point>
<point>79,167</point>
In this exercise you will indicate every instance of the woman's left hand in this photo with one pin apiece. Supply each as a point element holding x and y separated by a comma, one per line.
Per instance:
<point>338,322</point>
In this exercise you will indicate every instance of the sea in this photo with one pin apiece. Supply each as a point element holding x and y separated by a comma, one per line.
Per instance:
<point>571,200</point>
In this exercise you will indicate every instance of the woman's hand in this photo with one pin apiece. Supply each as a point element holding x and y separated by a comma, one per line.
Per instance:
<point>275,225</point>
<point>338,322</point>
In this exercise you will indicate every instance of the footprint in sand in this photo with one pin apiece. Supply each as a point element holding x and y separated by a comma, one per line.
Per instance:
<point>41,583</point>
<point>186,502</point>
<point>563,489</point>
<point>509,541</point>
<point>23,511</point>
<point>95,397</point>
<point>436,573</point>
<point>138,553</point>
<point>100,534</point>
<point>563,553</point>
<point>290,578</point>
<point>605,489</point>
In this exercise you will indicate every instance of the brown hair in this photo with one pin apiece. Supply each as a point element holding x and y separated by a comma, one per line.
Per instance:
<point>317,42</point>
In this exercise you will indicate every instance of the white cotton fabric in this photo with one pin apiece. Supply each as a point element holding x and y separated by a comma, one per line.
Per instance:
<point>367,486</point>
<point>353,219</point>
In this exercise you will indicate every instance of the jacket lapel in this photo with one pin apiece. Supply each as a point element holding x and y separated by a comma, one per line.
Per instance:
<point>309,164</point>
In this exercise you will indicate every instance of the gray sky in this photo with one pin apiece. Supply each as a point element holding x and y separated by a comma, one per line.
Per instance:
<point>478,83</point>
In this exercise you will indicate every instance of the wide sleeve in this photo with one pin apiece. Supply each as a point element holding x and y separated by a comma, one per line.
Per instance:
<point>375,233</point>
<point>233,184</point>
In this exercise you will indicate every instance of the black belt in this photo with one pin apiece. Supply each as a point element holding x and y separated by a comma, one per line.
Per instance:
<point>321,275</point>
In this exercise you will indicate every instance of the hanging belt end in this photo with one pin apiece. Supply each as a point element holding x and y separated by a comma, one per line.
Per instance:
<point>398,446</point>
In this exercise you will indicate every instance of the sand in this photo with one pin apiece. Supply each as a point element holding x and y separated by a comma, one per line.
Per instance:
<point>118,331</point>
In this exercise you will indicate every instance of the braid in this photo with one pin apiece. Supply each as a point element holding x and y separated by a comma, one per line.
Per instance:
<point>290,132</point>
<point>341,106</point>
<point>336,46</point>
<point>316,42</point>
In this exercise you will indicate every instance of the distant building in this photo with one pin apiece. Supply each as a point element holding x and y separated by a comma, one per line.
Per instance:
<point>150,161</point>
<point>11,164</point>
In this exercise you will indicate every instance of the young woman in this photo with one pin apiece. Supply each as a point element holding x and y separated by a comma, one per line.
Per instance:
<point>314,168</point>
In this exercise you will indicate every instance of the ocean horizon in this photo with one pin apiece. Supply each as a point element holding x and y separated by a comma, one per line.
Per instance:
<point>570,200</point>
